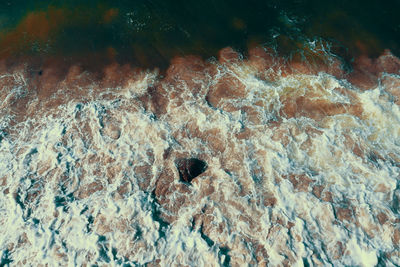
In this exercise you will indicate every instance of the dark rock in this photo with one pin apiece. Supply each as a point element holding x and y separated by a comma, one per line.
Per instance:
<point>190,168</point>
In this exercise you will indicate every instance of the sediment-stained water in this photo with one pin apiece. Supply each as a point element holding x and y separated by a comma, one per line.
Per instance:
<point>277,153</point>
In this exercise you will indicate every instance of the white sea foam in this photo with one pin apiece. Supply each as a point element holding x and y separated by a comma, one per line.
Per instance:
<point>74,193</point>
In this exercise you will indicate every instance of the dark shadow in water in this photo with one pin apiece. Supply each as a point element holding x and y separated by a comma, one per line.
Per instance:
<point>5,259</point>
<point>190,168</point>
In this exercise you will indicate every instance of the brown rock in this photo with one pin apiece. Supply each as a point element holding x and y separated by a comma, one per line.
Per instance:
<point>3,181</point>
<point>392,85</point>
<point>124,189</point>
<point>338,250</point>
<point>365,73</point>
<point>382,218</point>
<point>269,201</point>
<point>396,237</point>
<point>317,190</point>
<point>158,99</point>
<point>144,175</point>
<point>300,182</point>
<point>90,189</point>
<point>344,214</point>
<point>327,196</point>
<point>228,55</point>
<point>290,225</point>
<point>388,63</point>
<point>227,88</point>
<point>312,108</point>
<point>163,184</point>
<point>190,71</point>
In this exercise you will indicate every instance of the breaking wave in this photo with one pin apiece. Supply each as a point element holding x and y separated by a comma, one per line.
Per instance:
<point>231,161</point>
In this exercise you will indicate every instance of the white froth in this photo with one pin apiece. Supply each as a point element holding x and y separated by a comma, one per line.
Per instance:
<point>74,195</point>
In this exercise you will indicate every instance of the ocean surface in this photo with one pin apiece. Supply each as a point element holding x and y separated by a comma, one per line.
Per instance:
<point>199,133</point>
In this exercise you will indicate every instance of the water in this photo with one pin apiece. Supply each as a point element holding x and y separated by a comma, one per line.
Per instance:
<point>208,133</point>
<point>150,33</point>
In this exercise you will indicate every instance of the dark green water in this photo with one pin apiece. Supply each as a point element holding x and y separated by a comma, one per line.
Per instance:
<point>151,32</point>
